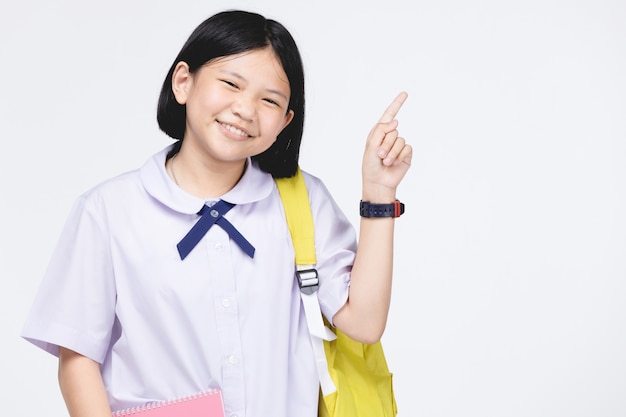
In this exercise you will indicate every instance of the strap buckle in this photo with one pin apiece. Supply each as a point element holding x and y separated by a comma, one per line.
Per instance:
<point>308,279</point>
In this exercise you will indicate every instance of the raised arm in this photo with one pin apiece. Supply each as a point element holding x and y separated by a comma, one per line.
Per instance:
<point>386,160</point>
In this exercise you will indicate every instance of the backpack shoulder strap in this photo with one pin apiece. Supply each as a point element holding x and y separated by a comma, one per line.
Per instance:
<point>295,198</point>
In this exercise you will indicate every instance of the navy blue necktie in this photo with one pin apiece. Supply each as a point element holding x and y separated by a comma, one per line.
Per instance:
<point>209,217</point>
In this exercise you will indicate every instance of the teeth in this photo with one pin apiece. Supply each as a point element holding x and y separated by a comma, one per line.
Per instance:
<point>236,131</point>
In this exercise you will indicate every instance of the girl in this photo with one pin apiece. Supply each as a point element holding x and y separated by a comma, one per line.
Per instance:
<point>139,311</point>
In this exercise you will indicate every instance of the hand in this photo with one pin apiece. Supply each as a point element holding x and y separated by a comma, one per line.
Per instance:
<point>387,157</point>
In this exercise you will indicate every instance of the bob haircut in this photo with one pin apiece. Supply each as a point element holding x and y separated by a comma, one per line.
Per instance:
<point>228,33</point>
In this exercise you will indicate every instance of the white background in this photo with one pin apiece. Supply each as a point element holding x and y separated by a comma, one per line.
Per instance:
<point>510,286</point>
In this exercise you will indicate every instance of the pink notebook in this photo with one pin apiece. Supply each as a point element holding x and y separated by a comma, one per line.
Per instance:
<point>203,404</point>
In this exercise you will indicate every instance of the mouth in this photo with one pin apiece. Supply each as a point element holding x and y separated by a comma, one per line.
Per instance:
<point>234,130</point>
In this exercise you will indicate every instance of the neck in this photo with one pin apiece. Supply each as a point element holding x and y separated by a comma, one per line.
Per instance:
<point>202,178</point>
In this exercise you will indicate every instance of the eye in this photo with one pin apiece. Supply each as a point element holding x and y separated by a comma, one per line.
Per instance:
<point>230,83</point>
<point>272,102</point>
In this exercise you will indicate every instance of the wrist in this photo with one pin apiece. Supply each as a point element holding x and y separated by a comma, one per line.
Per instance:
<point>378,194</point>
<point>392,210</point>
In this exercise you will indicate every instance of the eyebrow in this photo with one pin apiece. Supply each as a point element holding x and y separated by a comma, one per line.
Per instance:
<point>269,90</point>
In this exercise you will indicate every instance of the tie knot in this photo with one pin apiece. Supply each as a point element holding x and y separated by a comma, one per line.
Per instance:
<point>202,226</point>
<point>219,208</point>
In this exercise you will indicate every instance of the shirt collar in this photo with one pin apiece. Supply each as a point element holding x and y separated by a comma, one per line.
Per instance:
<point>253,186</point>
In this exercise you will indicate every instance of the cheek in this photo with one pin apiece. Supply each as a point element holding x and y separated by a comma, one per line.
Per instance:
<point>276,123</point>
<point>206,97</point>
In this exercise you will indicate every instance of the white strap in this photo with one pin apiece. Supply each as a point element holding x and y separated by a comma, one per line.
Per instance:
<point>314,317</point>
<point>318,333</point>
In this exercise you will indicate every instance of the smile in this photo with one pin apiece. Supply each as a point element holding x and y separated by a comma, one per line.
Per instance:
<point>235,130</point>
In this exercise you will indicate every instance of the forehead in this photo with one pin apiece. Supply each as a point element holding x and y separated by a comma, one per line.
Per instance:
<point>257,64</point>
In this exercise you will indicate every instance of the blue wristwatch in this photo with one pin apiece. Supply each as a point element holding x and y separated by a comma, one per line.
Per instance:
<point>394,209</point>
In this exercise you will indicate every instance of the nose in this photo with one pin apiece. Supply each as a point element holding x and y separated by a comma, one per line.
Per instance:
<point>244,107</point>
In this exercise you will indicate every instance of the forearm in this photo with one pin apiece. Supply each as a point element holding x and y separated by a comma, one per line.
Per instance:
<point>371,278</point>
<point>365,313</point>
<point>81,385</point>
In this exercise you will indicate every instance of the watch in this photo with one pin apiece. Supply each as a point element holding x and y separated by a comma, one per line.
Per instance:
<point>394,209</point>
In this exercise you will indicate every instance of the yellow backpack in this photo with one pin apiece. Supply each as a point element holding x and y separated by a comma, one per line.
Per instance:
<point>354,378</point>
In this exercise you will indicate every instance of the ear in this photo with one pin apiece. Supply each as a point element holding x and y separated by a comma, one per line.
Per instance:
<point>181,82</point>
<point>288,119</point>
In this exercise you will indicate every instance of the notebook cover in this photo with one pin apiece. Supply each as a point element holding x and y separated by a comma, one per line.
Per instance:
<point>202,404</point>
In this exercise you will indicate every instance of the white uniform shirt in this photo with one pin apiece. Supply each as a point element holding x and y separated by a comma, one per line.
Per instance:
<point>117,292</point>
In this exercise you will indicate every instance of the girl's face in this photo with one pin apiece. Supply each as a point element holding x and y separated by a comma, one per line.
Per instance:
<point>236,105</point>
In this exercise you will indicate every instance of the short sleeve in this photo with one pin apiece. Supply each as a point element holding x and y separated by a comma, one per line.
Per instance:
<point>75,303</point>
<point>335,246</point>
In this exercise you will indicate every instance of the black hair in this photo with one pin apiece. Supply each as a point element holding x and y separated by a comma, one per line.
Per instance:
<point>232,32</point>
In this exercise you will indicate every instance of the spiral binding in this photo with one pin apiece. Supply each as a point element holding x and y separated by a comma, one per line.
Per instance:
<point>132,411</point>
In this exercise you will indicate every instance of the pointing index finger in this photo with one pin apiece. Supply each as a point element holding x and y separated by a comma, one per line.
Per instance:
<point>393,108</point>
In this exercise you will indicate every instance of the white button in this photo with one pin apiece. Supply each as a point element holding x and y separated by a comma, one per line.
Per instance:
<point>226,303</point>
<point>232,359</point>
<point>215,213</point>
<point>219,247</point>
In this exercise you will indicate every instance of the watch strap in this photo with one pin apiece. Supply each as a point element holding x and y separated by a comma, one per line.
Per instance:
<point>394,209</point>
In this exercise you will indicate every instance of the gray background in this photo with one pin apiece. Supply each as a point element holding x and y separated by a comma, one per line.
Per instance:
<point>510,272</point>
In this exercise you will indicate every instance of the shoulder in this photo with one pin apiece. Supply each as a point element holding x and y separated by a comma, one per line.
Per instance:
<point>126,188</point>
<point>314,184</point>
<point>322,202</point>
<point>95,206</point>
<point>114,189</point>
